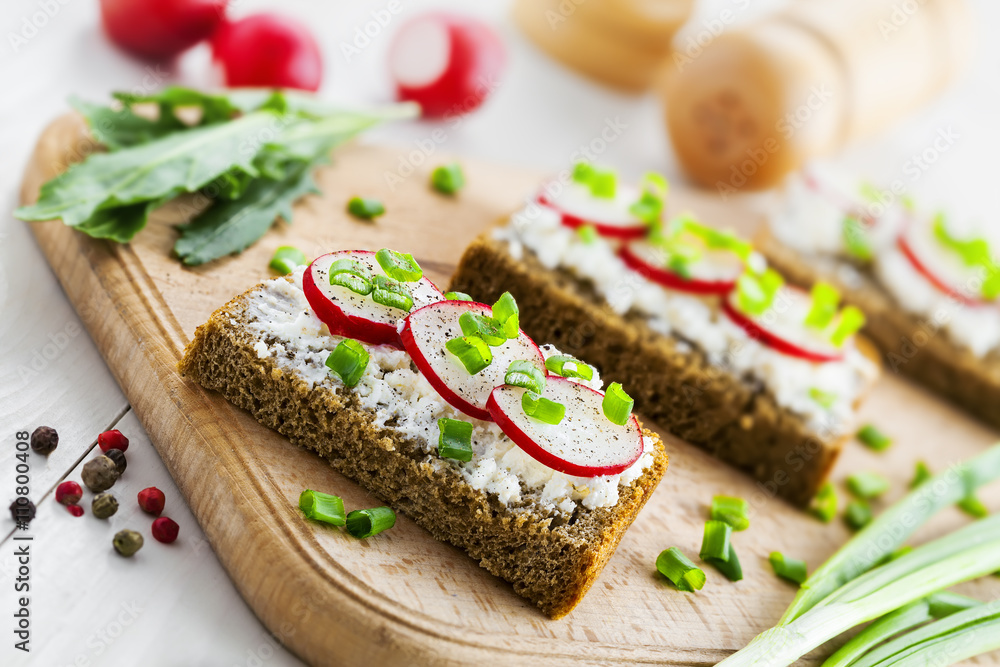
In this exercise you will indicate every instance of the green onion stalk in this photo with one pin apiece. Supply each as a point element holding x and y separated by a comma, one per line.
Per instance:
<point>846,591</point>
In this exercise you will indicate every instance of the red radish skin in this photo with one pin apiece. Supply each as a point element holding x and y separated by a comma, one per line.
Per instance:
<point>268,50</point>
<point>938,283</point>
<point>434,361</point>
<point>774,341</point>
<point>668,278</point>
<point>620,231</point>
<point>624,442</point>
<point>159,29</point>
<point>339,318</point>
<point>447,63</point>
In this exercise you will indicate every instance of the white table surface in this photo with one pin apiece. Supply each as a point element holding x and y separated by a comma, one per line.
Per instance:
<point>174,605</point>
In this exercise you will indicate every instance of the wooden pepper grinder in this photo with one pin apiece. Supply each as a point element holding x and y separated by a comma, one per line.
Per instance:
<point>755,103</point>
<point>621,43</point>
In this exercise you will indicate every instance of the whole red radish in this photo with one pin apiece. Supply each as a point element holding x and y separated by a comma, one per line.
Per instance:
<point>268,50</point>
<point>447,63</point>
<point>160,28</point>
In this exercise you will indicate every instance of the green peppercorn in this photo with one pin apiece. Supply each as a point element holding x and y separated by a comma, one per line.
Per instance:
<point>127,542</point>
<point>104,505</point>
<point>99,474</point>
<point>118,456</point>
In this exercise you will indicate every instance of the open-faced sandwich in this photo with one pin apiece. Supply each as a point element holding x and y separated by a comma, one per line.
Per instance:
<point>929,287</point>
<point>712,343</point>
<point>445,409</point>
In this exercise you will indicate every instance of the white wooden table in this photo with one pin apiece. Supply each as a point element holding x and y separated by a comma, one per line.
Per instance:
<point>175,605</point>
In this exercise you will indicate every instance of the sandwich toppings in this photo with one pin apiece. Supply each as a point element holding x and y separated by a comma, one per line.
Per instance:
<point>456,375</point>
<point>706,287</point>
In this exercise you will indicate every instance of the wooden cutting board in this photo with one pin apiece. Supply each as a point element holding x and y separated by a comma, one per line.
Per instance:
<point>402,597</point>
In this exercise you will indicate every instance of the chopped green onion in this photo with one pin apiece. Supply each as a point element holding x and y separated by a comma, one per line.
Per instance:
<point>399,265</point>
<point>825,298</point>
<point>356,284</point>
<point>900,552</point>
<point>867,485</point>
<point>792,569</point>
<point>569,367</point>
<point>350,266</point>
<point>679,569</point>
<point>477,324</point>
<point>286,258</point>
<point>541,408</point>
<point>365,523</point>
<point>873,438</point>
<point>868,191</point>
<point>756,293</point>
<point>455,439</point>
<point>448,178</point>
<point>855,238</point>
<point>506,313</point>
<point>587,233</point>
<point>974,253</point>
<point>617,405</point>
<point>391,293</point>
<point>731,510</point>
<point>649,207</point>
<point>366,209</point>
<point>322,507</point>
<point>824,505</point>
<point>525,374</point>
<point>973,506</point>
<point>712,238</point>
<point>458,296</point>
<point>601,182</point>
<point>349,361</point>
<point>921,474</point>
<point>849,323</point>
<point>472,351</point>
<point>717,550</point>
<point>858,514</point>
<point>824,399</point>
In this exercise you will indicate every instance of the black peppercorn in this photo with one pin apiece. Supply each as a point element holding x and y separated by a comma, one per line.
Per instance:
<point>44,439</point>
<point>99,474</point>
<point>118,456</point>
<point>22,510</point>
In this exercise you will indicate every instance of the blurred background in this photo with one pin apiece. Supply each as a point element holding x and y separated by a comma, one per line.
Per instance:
<point>893,90</point>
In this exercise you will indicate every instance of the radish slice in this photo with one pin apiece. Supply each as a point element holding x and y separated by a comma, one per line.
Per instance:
<point>577,207</point>
<point>447,63</point>
<point>715,273</point>
<point>941,268</point>
<point>424,335</point>
<point>585,443</point>
<point>354,315</point>
<point>781,326</point>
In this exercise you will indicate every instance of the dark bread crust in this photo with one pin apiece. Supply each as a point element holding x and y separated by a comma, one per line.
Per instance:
<point>672,384</point>
<point>550,559</point>
<point>911,345</point>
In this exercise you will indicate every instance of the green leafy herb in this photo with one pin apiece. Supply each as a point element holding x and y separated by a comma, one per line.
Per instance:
<point>286,258</point>
<point>448,179</point>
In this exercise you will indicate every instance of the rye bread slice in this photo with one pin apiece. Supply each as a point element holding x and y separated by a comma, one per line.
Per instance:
<point>672,382</point>
<point>911,345</point>
<point>551,557</point>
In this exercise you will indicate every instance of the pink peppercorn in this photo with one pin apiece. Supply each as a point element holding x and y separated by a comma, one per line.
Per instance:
<point>68,493</point>
<point>112,440</point>
<point>165,530</point>
<point>75,510</point>
<point>152,500</point>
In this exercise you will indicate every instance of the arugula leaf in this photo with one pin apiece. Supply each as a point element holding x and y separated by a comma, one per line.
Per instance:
<point>232,226</point>
<point>120,223</point>
<point>160,169</point>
